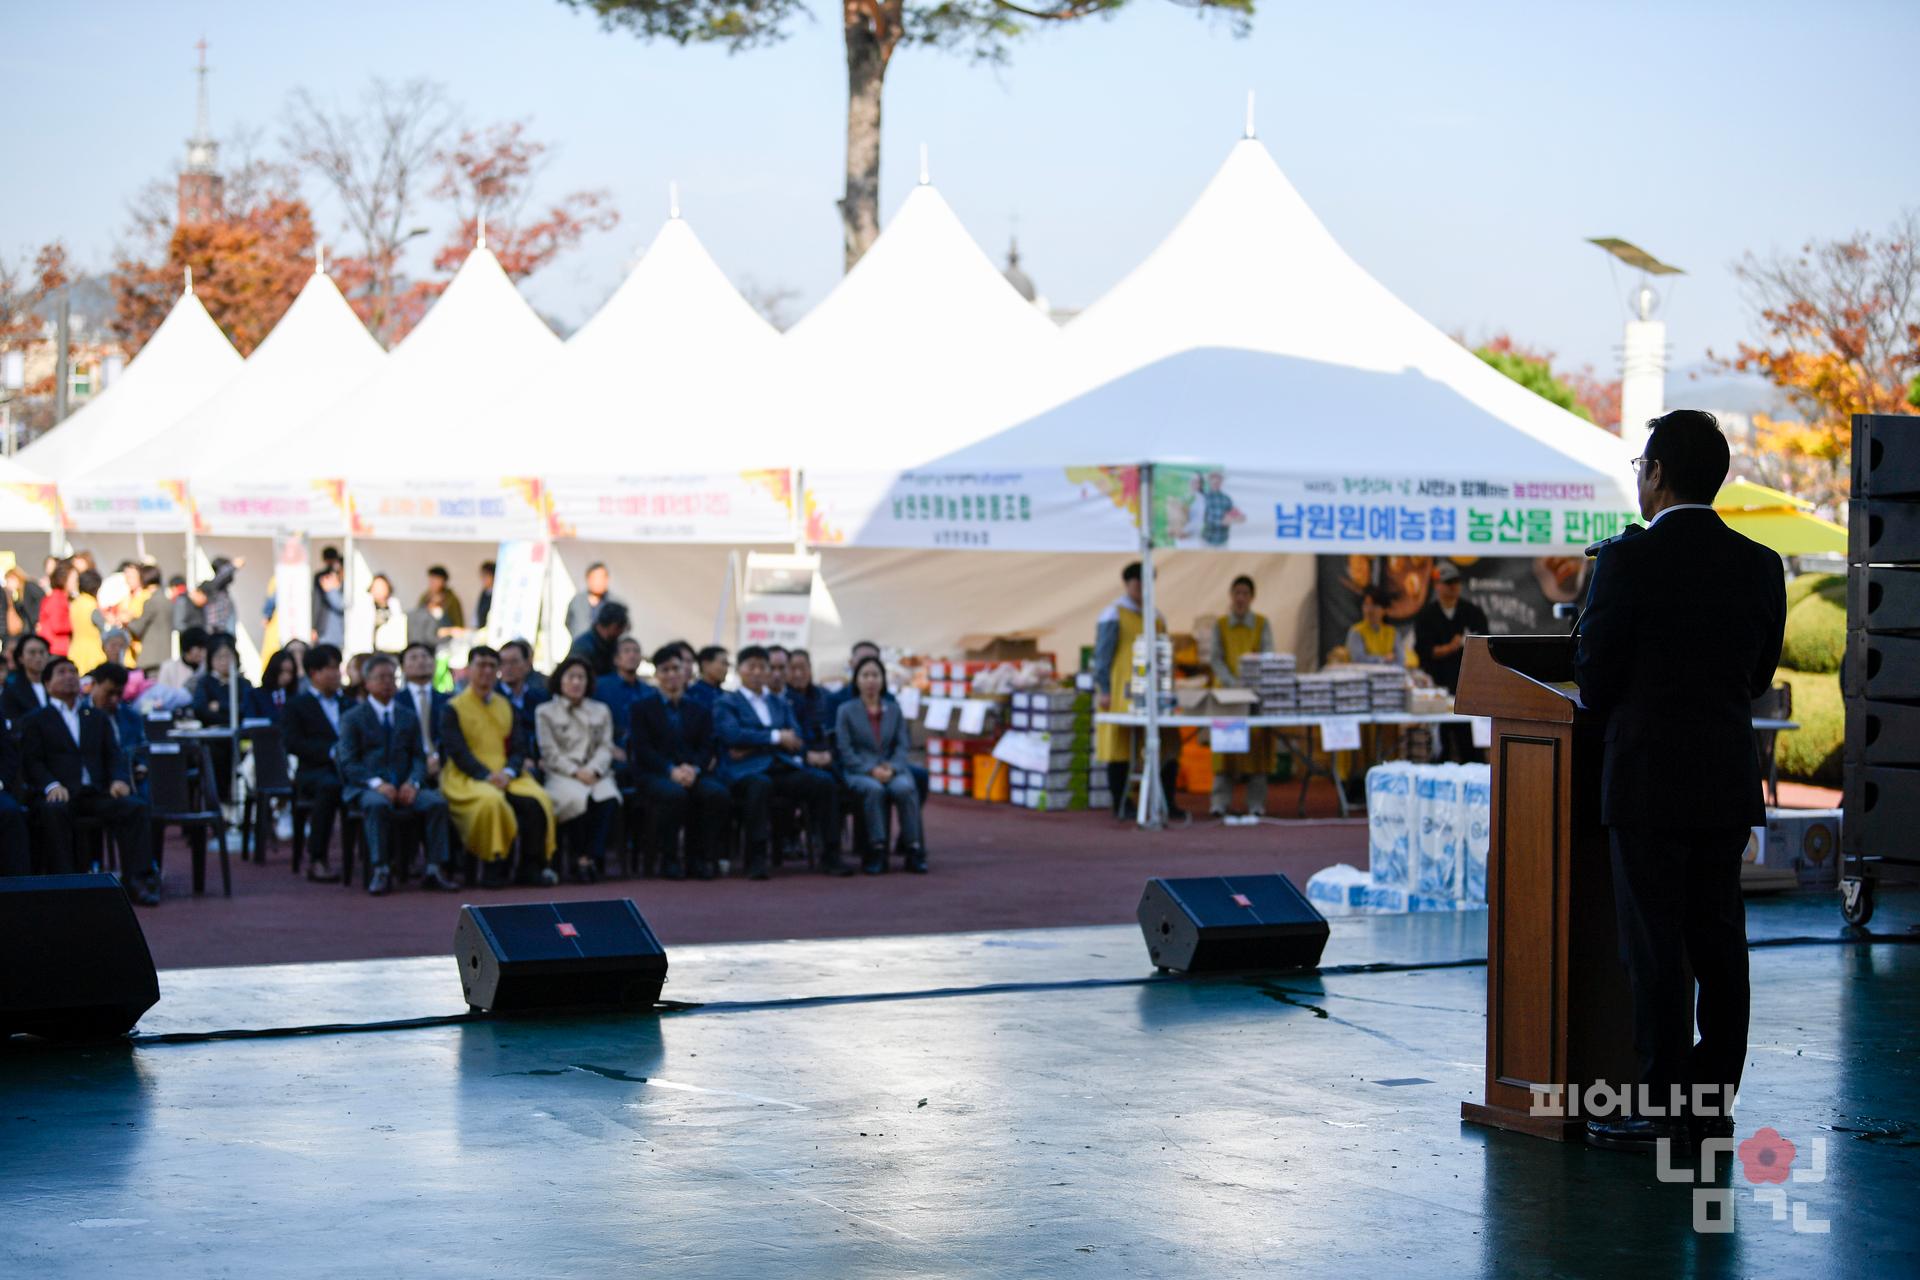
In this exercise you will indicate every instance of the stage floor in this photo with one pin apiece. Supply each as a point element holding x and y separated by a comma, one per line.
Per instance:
<point>1035,1109</point>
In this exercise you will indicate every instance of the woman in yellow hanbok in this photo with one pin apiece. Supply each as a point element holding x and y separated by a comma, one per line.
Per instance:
<point>492,797</point>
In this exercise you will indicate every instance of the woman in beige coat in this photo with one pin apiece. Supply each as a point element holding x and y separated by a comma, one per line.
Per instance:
<point>576,751</point>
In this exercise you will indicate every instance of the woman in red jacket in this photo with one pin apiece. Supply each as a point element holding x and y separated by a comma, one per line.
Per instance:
<point>56,623</point>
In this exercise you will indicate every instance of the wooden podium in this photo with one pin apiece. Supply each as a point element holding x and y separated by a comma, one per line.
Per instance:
<point>1559,1010</point>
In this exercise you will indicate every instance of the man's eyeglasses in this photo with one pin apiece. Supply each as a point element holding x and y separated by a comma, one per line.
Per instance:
<point>1640,463</point>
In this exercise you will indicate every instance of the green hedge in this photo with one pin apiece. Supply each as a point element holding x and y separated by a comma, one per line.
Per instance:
<point>1811,753</point>
<point>1816,625</point>
<point>1801,587</point>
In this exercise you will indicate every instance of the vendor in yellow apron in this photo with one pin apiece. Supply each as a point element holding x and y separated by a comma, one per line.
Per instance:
<point>484,740</point>
<point>1241,632</point>
<point>1113,744</point>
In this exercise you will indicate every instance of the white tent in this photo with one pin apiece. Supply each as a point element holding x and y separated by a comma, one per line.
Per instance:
<point>1250,267</point>
<point>653,393</point>
<point>317,353</point>
<point>922,347</point>
<point>418,442</point>
<point>185,361</point>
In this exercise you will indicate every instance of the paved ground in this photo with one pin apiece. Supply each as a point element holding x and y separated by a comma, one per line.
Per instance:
<point>993,867</point>
<point>853,1109</point>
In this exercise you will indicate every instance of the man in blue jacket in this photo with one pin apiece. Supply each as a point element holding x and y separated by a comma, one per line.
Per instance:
<point>761,764</point>
<point>670,749</point>
<point>385,773</point>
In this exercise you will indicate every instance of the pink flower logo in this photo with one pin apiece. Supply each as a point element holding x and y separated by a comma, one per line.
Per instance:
<point>1766,1156</point>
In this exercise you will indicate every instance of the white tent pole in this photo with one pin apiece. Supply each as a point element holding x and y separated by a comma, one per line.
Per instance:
<point>1152,810</point>
<point>797,503</point>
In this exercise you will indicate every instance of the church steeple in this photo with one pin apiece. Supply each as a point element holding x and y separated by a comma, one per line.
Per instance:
<point>200,182</point>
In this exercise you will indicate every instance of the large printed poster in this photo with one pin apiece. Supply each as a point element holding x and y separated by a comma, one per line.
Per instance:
<point>1517,592</point>
<point>737,507</point>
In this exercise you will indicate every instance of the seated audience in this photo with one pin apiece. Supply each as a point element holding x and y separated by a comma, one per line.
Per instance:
<point>873,741</point>
<point>312,726</point>
<point>777,656</point>
<point>118,646</point>
<point>72,768</point>
<point>712,669</point>
<point>83,644</point>
<point>106,690</point>
<point>279,685</point>
<point>485,778</point>
<point>521,685</point>
<point>417,664</point>
<point>595,646</point>
<point>216,693</point>
<point>762,765</point>
<point>813,710</point>
<point>24,693</point>
<point>670,741</point>
<point>620,689</point>
<point>575,734</point>
<point>384,775</point>
<point>16,845</point>
<point>922,780</point>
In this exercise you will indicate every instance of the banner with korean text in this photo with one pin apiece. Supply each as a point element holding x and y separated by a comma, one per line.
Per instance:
<point>1041,509</point>
<point>450,510</point>
<point>127,506</point>
<point>735,507</point>
<point>267,508</point>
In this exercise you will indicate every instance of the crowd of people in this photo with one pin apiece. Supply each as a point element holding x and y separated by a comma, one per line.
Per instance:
<point>527,774</point>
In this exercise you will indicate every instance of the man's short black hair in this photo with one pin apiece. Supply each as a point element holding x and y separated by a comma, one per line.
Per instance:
<point>320,657</point>
<point>176,581</point>
<point>858,645</point>
<point>424,648</point>
<point>1692,453</point>
<point>373,662</point>
<point>798,653</point>
<point>1375,595</point>
<point>109,673</point>
<point>1244,581</point>
<point>149,575</point>
<point>329,554</point>
<point>193,638</point>
<point>486,566</point>
<point>1131,573</point>
<point>89,582</point>
<point>709,653</point>
<point>780,649</point>
<point>438,571</point>
<point>751,652</point>
<point>21,643</point>
<point>665,653</point>
<point>54,663</point>
<point>526,650</point>
<point>480,651</point>
<point>611,614</point>
<point>597,564</point>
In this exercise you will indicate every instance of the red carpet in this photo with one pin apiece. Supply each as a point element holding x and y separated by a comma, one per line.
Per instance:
<point>993,867</point>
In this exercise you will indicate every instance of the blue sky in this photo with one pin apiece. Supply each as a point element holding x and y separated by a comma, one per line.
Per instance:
<point>1462,153</point>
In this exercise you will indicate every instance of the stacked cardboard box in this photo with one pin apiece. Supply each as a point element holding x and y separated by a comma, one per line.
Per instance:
<point>1273,678</point>
<point>1069,781</point>
<point>1315,694</point>
<point>1388,689</point>
<point>950,764</point>
<point>1137,684</point>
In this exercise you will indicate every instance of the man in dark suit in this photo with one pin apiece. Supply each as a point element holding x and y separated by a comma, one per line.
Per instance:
<point>1681,632</point>
<point>312,727</point>
<point>761,764</point>
<point>23,694</point>
<point>385,773</point>
<point>671,750</point>
<point>72,768</point>
<point>597,645</point>
<point>16,845</point>
<point>416,665</point>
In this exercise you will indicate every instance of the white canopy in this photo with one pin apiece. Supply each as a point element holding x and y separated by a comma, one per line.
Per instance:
<point>316,354</point>
<point>662,375</point>
<point>1251,268</point>
<point>426,412</point>
<point>185,361</point>
<point>921,348</point>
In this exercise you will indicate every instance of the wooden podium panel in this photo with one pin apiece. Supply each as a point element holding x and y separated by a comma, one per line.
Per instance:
<point>1558,1005</point>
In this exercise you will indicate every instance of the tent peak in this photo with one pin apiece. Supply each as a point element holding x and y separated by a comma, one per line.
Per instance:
<point>926,174</point>
<point>480,234</point>
<point>673,200</point>
<point>319,257</point>
<point>188,292</point>
<point>1250,130</point>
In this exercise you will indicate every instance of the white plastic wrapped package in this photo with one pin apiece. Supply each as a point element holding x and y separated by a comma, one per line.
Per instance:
<point>1338,890</point>
<point>1386,899</point>
<point>1437,834</point>
<point>1476,799</point>
<point>1389,832</point>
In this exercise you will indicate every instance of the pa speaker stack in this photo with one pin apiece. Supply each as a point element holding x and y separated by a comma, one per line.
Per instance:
<point>1880,675</point>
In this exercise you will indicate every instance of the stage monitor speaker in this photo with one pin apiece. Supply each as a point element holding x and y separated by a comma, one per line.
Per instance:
<point>1882,732</point>
<point>558,955</point>
<point>1884,598</point>
<point>1213,924</point>
<point>1883,531</point>
<point>1886,456</point>
<point>1881,666</point>
<point>73,962</point>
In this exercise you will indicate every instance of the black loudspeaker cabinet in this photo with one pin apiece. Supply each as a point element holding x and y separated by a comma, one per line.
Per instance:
<point>1882,804</point>
<point>1886,456</point>
<point>73,962</point>
<point>1882,732</point>
<point>1883,530</point>
<point>1214,924</point>
<point>1884,598</point>
<point>1881,666</point>
<point>539,956</point>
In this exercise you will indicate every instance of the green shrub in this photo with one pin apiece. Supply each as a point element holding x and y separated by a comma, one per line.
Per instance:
<point>1817,629</point>
<point>1800,588</point>
<point>1811,753</point>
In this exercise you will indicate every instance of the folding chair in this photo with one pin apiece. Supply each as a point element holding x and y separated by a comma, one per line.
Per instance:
<point>272,780</point>
<point>175,805</point>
